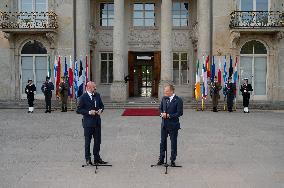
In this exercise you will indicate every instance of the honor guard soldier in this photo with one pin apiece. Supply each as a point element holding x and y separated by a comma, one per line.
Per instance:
<point>63,91</point>
<point>230,91</point>
<point>245,89</point>
<point>215,87</point>
<point>30,90</point>
<point>47,88</point>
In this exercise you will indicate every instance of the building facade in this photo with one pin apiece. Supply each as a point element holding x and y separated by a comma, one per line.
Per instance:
<point>147,42</point>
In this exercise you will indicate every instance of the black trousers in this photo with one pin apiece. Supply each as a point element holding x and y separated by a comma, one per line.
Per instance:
<point>230,103</point>
<point>173,137</point>
<point>246,101</point>
<point>31,101</point>
<point>48,102</point>
<point>94,132</point>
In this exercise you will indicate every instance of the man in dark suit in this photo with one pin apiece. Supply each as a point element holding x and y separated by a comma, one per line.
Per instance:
<point>246,88</point>
<point>230,92</point>
<point>171,108</point>
<point>47,88</point>
<point>91,106</point>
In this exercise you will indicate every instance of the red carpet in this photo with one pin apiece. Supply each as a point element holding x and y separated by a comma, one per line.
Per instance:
<point>141,112</point>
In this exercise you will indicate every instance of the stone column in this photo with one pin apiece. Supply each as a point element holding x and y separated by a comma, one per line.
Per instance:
<point>166,45</point>
<point>82,28</point>
<point>203,19</point>
<point>119,89</point>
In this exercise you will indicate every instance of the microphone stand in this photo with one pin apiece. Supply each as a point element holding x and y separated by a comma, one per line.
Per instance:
<point>166,165</point>
<point>96,165</point>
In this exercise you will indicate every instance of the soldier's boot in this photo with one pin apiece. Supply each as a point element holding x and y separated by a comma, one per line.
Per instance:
<point>65,109</point>
<point>62,109</point>
<point>29,110</point>
<point>32,110</point>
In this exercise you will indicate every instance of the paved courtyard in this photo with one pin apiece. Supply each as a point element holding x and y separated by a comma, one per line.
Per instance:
<point>216,150</point>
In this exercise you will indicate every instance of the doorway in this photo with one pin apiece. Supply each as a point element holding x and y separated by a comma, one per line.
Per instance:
<point>144,74</point>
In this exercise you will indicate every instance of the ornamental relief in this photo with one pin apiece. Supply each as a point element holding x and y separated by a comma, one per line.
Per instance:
<point>144,36</point>
<point>104,39</point>
<point>181,40</point>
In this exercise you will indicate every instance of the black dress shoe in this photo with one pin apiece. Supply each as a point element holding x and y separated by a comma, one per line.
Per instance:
<point>88,162</point>
<point>46,111</point>
<point>160,162</point>
<point>100,161</point>
<point>173,163</point>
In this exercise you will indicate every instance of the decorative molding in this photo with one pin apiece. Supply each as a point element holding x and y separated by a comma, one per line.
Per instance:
<point>8,36</point>
<point>103,39</point>
<point>280,35</point>
<point>194,35</point>
<point>92,35</point>
<point>180,39</point>
<point>52,38</point>
<point>234,39</point>
<point>144,37</point>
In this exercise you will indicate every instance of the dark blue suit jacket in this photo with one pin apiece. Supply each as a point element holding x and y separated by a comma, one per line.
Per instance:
<point>174,109</point>
<point>85,105</point>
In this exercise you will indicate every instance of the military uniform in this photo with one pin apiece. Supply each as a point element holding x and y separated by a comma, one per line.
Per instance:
<point>215,87</point>
<point>245,89</point>
<point>47,88</point>
<point>230,92</point>
<point>63,90</point>
<point>30,91</point>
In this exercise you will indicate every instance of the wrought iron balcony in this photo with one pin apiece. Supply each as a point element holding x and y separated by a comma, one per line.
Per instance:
<point>256,19</point>
<point>10,21</point>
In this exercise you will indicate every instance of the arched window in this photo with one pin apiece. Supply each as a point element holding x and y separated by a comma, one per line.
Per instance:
<point>253,65</point>
<point>33,65</point>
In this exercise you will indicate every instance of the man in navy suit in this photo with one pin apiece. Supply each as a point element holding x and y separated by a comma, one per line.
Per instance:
<point>171,108</point>
<point>91,106</point>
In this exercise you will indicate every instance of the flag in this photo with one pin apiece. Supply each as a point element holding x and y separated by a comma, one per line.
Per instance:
<point>207,66</point>
<point>231,67</point>
<point>55,69</point>
<point>235,76</point>
<point>225,77</point>
<point>49,67</point>
<point>65,67</point>
<point>212,69</point>
<point>81,80</point>
<point>87,72</point>
<point>204,76</point>
<point>219,71</point>
<point>76,79</point>
<point>71,78</point>
<point>58,75</point>
<point>197,82</point>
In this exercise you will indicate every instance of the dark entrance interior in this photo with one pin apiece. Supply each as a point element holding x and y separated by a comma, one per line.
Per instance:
<point>144,74</point>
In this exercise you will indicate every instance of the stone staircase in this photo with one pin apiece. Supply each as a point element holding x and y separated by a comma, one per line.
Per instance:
<point>140,103</point>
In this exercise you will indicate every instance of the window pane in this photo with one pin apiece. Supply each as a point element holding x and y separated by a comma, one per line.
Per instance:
<point>247,48</point>
<point>176,14</point>
<point>183,14</point>
<point>27,71</point>
<point>103,22</point>
<point>247,5</point>
<point>110,7</point>
<point>138,22</point>
<point>149,14</point>
<point>40,8</point>
<point>176,22</point>
<point>138,6</point>
<point>175,56</point>
<point>245,68</point>
<point>40,70</point>
<point>176,6</point>
<point>262,5</point>
<point>183,56</point>
<point>110,14</point>
<point>110,22</point>
<point>103,14</point>
<point>26,8</point>
<point>103,56</point>
<point>183,22</point>
<point>149,22</point>
<point>110,56</point>
<point>183,77</point>
<point>176,72</point>
<point>149,6</point>
<point>110,79</point>
<point>259,48</point>
<point>260,76</point>
<point>138,14</point>
<point>103,72</point>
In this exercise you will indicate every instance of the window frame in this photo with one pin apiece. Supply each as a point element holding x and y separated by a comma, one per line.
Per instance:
<point>144,15</point>
<point>188,16</point>
<point>33,5</point>
<point>99,15</point>
<point>179,67</point>
<point>107,61</point>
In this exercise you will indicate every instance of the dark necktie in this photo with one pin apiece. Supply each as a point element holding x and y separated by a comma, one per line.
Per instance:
<point>93,97</point>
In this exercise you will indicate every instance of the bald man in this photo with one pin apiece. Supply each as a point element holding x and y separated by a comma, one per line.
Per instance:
<point>91,106</point>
